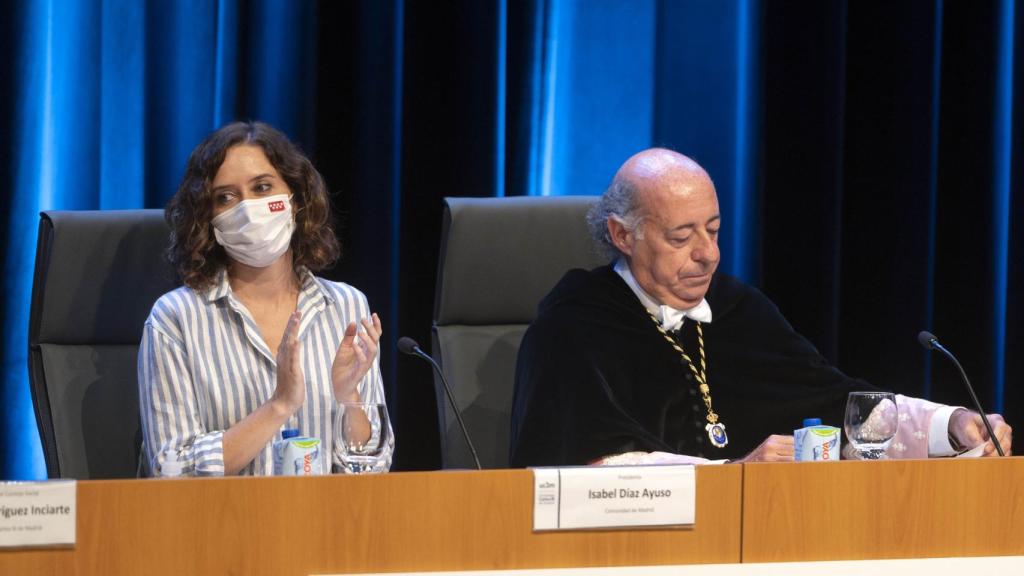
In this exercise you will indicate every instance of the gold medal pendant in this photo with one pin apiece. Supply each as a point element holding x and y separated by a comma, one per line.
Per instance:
<point>716,432</point>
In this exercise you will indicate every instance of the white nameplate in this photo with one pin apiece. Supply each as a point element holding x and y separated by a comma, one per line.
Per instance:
<point>613,497</point>
<point>37,513</point>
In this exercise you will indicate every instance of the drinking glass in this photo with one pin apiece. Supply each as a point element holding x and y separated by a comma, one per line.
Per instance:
<point>365,437</point>
<point>871,422</point>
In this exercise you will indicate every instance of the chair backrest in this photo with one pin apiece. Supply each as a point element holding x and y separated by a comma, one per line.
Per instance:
<point>97,276</point>
<point>499,258</point>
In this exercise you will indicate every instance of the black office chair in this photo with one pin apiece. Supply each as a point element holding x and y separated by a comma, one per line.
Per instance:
<point>97,275</point>
<point>499,258</point>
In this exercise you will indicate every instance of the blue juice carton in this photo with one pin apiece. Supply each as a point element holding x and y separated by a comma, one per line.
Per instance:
<point>297,456</point>
<point>815,442</point>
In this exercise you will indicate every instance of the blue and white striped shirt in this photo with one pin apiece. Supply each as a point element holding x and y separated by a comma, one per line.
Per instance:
<point>203,366</point>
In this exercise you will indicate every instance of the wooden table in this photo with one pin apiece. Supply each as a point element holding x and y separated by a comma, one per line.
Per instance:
<point>430,521</point>
<point>331,524</point>
<point>892,509</point>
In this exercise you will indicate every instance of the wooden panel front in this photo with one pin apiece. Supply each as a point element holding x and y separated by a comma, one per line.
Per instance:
<point>891,509</point>
<point>391,522</point>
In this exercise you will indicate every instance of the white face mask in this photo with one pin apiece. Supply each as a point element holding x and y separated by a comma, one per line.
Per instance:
<point>256,232</point>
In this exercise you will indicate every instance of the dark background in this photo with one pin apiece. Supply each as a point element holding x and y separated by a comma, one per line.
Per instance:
<point>867,154</point>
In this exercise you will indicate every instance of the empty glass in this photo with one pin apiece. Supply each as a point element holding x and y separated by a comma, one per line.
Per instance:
<point>871,422</point>
<point>365,434</point>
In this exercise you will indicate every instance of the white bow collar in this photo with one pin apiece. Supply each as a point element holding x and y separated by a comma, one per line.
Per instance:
<point>671,319</point>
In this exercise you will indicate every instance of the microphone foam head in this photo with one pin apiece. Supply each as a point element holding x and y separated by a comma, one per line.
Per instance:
<point>407,345</point>
<point>927,339</point>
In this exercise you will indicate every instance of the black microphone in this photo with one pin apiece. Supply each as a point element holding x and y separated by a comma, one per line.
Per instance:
<point>930,342</point>
<point>409,346</point>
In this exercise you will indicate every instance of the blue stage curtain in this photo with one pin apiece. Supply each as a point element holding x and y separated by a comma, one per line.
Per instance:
<point>103,103</point>
<point>867,154</point>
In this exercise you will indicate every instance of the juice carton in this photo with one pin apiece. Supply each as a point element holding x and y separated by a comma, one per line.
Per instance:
<point>297,456</point>
<point>816,442</point>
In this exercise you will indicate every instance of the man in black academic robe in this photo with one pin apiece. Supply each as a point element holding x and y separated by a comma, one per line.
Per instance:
<point>595,377</point>
<point>598,374</point>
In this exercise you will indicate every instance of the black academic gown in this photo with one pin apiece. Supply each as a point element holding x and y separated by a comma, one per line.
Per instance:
<point>595,377</point>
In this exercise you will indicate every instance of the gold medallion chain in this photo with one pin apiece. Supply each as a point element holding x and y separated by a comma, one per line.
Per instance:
<point>700,375</point>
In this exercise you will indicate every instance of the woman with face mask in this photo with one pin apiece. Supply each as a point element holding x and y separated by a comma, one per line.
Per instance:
<point>253,342</point>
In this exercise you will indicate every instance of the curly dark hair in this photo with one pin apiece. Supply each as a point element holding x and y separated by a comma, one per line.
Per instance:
<point>194,251</point>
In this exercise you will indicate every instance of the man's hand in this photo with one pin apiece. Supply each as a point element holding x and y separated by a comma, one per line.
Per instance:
<point>967,430</point>
<point>775,449</point>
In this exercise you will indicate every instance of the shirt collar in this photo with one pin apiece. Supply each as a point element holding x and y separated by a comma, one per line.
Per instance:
<point>309,290</point>
<point>221,288</point>
<point>670,318</point>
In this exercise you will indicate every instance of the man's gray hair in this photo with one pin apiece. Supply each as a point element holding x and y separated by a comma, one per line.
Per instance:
<point>619,201</point>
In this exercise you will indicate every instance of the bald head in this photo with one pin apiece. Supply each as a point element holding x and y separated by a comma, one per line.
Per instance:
<point>655,173</point>
<point>660,214</point>
<point>662,171</point>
